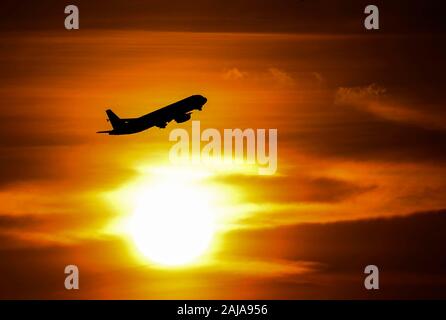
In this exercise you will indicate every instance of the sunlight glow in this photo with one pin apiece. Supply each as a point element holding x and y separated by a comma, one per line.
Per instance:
<point>173,222</point>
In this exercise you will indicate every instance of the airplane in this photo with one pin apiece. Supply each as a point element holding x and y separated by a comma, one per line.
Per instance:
<point>179,111</point>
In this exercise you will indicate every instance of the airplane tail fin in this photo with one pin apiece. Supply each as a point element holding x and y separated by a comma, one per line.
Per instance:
<point>113,118</point>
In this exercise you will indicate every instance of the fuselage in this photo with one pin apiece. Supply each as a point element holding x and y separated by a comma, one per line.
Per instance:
<point>178,111</point>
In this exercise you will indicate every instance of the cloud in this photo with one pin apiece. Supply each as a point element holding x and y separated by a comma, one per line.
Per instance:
<point>373,99</point>
<point>319,78</point>
<point>299,261</point>
<point>398,243</point>
<point>37,230</point>
<point>305,188</point>
<point>359,95</point>
<point>234,74</point>
<point>343,132</point>
<point>281,76</point>
<point>316,16</point>
<point>38,272</point>
<point>16,222</point>
<point>45,159</point>
<point>402,247</point>
<point>262,77</point>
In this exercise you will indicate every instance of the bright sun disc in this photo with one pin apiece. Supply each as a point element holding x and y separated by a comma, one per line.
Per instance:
<point>172,223</point>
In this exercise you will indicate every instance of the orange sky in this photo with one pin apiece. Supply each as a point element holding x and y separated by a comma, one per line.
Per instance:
<point>361,160</point>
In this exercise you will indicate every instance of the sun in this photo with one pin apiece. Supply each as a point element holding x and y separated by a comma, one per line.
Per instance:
<point>173,222</point>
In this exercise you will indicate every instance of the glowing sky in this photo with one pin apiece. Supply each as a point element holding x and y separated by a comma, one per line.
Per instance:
<point>361,151</point>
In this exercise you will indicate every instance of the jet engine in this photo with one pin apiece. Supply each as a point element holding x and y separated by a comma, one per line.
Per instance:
<point>182,118</point>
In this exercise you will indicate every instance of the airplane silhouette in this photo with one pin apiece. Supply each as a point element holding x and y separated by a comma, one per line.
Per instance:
<point>179,111</point>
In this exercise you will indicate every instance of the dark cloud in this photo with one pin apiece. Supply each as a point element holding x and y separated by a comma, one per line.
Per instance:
<point>20,133</point>
<point>341,16</point>
<point>109,270</point>
<point>16,222</point>
<point>52,163</point>
<point>58,225</point>
<point>304,188</point>
<point>408,248</point>
<point>38,272</point>
<point>21,165</point>
<point>359,135</point>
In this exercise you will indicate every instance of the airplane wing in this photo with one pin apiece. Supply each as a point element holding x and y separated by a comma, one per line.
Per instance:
<point>163,116</point>
<point>179,111</point>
